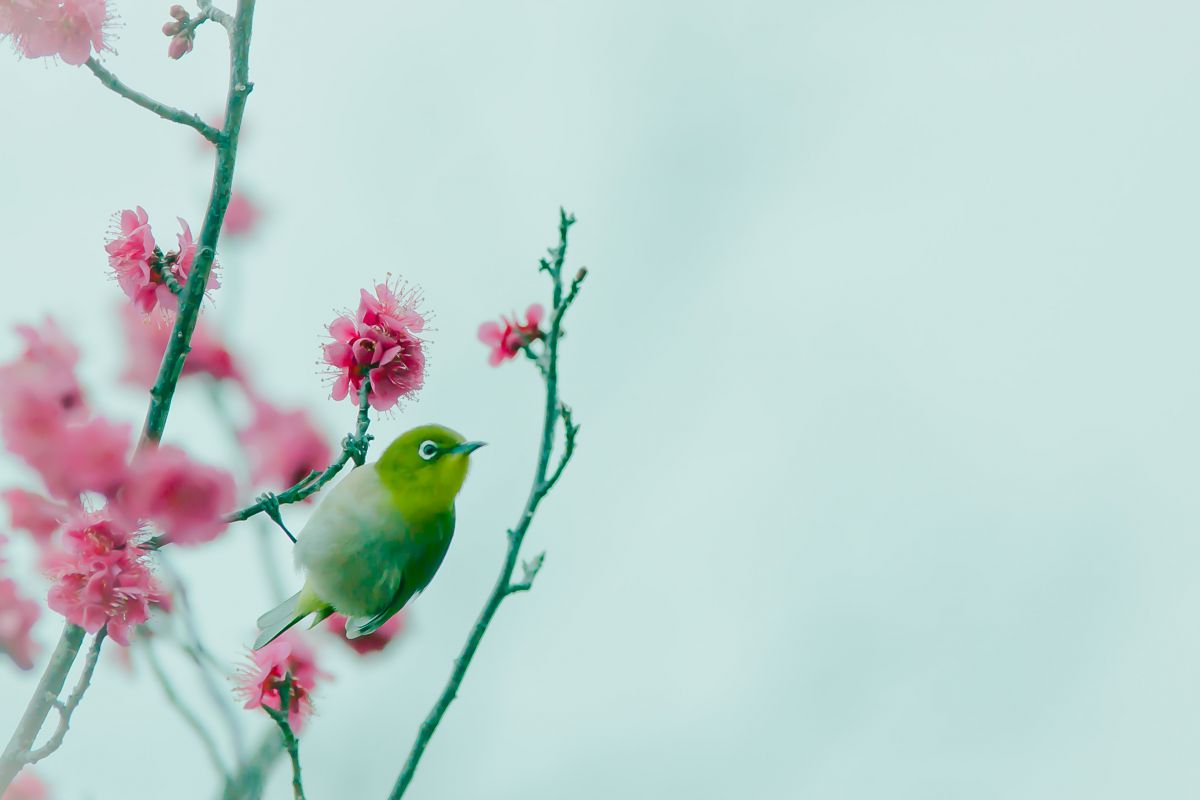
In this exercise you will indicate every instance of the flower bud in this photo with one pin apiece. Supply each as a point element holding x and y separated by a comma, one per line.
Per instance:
<point>180,46</point>
<point>178,12</point>
<point>172,28</point>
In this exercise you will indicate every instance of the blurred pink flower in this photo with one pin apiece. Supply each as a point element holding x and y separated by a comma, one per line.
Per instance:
<point>372,642</point>
<point>146,342</point>
<point>283,446</point>
<point>41,393</point>
<point>187,500</point>
<point>39,516</point>
<point>507,340</point>
<point>17,615</point>
<point>380,341</point>
<point>26,786</point>
<point>180,45</point>
<point>69,29</point>
<point>85,457</point>
<point>241,216</point>
<point>259,682</point>
<point>101,577</point>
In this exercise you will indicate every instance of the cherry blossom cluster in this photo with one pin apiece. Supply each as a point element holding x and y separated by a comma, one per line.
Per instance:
<point>510,336</point>
<point>68,29</point>
<point>381,340</point>
<point>147,275</point>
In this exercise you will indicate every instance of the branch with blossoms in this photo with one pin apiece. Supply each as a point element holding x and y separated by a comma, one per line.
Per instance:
<point>111,502</point>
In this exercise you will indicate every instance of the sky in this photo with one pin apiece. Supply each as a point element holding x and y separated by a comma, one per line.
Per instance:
<point>885,484</point>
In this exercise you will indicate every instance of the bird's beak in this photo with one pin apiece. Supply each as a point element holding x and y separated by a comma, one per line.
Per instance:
<point>466,448</point>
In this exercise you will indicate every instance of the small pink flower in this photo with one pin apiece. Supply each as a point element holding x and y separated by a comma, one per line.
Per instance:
<point>137,261</point>
<point>69,29</point>
<point>180,261</point>
<point>185,499</point>
<point>241,216</point>
<point>101,577</point>
<point>508,339</point>
<point>146,342</point>
<point>259,682</point>
<point>41,394</point>
<point>27,786</point>
<point>372,642</point>
<point>17,615</point>
<point>86,457</point>
<point>283,446</point>
<point>39,516</point>
<point>380,341</point>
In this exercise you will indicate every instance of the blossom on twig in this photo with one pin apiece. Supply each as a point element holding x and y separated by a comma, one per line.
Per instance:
<point>286,657</point>
<point>510,336</point>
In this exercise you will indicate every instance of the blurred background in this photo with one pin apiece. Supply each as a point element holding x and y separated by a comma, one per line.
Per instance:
<point>885,370</point>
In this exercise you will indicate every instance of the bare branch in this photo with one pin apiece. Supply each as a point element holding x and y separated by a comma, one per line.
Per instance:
<point>65,710</point>
<point>150,104</point>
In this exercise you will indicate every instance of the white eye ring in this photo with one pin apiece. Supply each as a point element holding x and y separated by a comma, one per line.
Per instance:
<point>427,450</point>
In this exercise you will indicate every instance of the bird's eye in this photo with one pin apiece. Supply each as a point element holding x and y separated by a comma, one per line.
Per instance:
<point>427,450</point>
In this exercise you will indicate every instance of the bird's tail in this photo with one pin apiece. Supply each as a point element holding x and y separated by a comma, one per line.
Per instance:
<point>272,624</point>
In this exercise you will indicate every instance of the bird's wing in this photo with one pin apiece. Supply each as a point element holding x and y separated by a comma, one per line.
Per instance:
<point>361,626</point>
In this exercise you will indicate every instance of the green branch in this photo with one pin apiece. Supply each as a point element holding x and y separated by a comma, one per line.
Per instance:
<point>150,104</point>
<point>543,481</point>
<point>290,743</point>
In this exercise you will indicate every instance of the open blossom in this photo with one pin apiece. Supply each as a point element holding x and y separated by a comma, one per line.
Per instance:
<point>259,682</point>
<point>283,446</point>
<point>381,341</point>
<point>507,339</point>
<point>69,29</point>
<point>372,642</point>
<point>27,786</point>
<point>39,516</point>
<point>184,498</point>
<point>140,265</point>
<point>101,577</point>
<point>17,615</point>
<point>146,342</point>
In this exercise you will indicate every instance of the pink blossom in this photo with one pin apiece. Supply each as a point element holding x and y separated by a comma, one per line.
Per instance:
<point>27,786</point>
<point>146,342</point>
<point>283,446</point>
<point>241,216</point>
<point>41,393</point>
<point>380,341</point>
<point>17,615</point>
<point>69,29</point>
<point>86,457</point>
<point>372,642</point>
<point>508,339</point>
<point>37,515</point>
<point>259,682</point>
<point>137,261</point>
<point>185,499</point>
<point>101,577</point>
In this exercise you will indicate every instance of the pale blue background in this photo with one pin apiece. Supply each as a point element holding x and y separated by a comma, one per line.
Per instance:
<point>886,370</point>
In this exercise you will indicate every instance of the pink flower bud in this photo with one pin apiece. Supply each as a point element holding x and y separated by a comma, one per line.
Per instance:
<point>178,12</point>
<point>180,46</point>
<point>171,28</point>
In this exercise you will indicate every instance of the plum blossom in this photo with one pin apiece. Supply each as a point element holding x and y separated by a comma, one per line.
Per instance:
<point>372,642</point>
<point>41,392</point>
<point>101,577</point>
<point>508,337</point>
<point>185,499</point>
<point>39,516</point>
<point>17,615</point>
<point>259,682</point>
<point>283,446</point>
<point>27,786</point>
<point>146,342</point>
<point>69,29</point>
<point>381,341</point>
<point>241,216</point>
<point>86,457</point>
<point>141,267</point>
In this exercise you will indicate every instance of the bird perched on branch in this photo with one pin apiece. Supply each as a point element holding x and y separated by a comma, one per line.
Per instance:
<point>379,536</point>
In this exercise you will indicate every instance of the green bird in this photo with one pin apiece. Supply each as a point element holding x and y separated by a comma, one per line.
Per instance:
<point>379,536</point>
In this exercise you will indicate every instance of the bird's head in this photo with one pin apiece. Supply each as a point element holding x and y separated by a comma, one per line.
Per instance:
<point>426,466</point>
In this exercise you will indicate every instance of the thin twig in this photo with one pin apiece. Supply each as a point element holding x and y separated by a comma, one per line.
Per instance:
<point>249,780</point>
<point>504,583</point>
<point>354,448</point>
<point>290,742</point>
<point>189,716</point>
<point>65,710</point>
<point>150,104</point>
